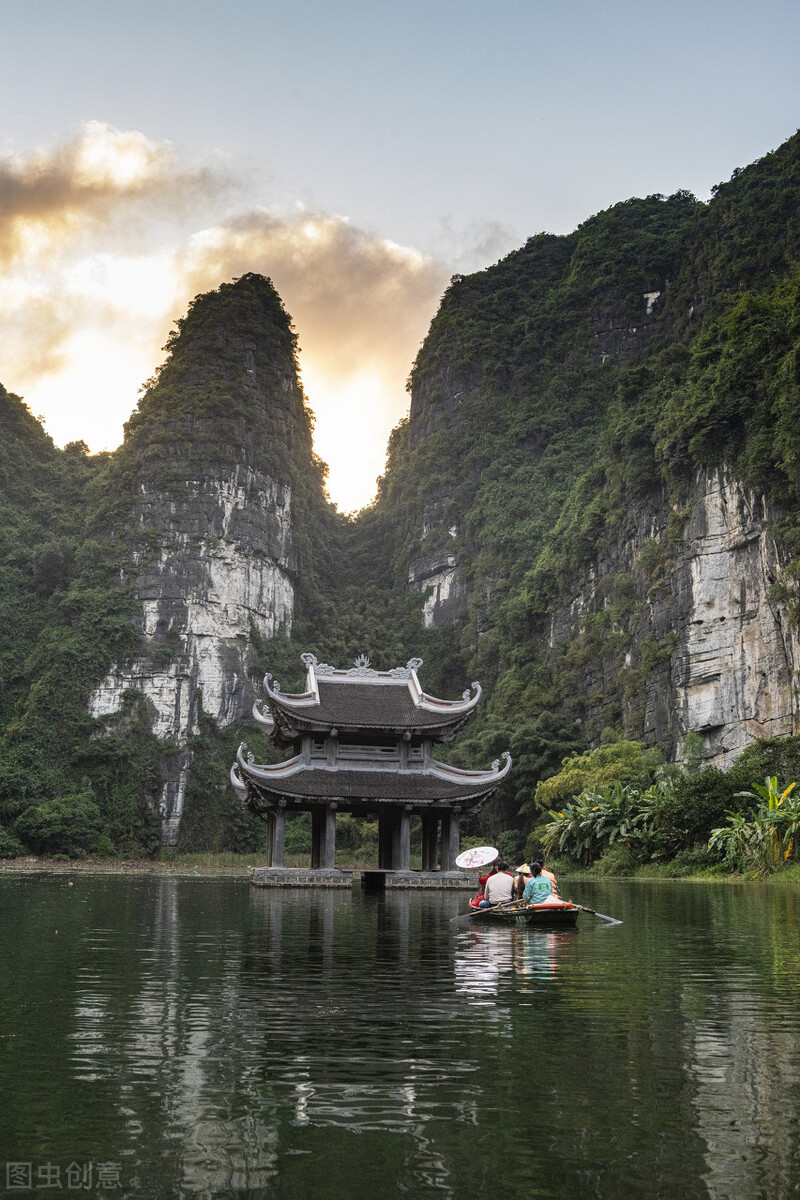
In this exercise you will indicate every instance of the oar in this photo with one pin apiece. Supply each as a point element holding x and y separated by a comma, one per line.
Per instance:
<point>595,913</point>
<point>492,908</point>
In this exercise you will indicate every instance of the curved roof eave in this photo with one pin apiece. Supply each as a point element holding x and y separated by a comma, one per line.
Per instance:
<point>236,782</point>
<point>457,774</point>
<point>289,701</point>
<point>454,707</point>
<point>470,785</point>
<point>264,719</point>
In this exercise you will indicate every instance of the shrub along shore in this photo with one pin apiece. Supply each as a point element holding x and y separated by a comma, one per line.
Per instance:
<point>618,811</point>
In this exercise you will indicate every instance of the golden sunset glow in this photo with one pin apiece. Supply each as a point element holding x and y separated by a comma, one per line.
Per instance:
<point>350,417</point>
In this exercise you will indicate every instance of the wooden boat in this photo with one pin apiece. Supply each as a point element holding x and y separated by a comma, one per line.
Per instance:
<point>553,915</point>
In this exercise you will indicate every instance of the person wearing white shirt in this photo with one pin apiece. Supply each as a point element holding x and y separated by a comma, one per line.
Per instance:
<point>499,888</point>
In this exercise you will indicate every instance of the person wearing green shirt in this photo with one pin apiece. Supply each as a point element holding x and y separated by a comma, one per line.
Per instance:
<point>538,887</point>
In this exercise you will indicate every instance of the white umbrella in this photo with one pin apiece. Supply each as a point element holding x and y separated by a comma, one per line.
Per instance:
<point>479,856</point>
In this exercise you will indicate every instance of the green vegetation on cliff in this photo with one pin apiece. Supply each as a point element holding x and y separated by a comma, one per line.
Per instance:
<point>65,619</point>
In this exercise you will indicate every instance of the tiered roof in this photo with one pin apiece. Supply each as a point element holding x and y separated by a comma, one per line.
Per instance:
<point>362,698</point>
<point>377,729</point>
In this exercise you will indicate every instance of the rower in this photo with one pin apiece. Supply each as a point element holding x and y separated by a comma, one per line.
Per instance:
<point>549,875</point>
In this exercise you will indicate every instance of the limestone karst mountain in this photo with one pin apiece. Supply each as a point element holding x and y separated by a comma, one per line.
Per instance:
<point>592,508</point>
<point>220,447</point>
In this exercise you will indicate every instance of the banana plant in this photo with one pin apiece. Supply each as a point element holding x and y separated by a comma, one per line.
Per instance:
<point>769,795</point>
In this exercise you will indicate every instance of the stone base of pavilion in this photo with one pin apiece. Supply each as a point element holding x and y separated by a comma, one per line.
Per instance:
<point>371,879</point>
<point>300,877</point>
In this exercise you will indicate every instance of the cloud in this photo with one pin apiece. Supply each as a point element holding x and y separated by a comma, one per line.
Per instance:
<point>32,335</point>
<point>52,196</point>
<point>106,238</point>
<point>476,244</point>
<point>360,302</point>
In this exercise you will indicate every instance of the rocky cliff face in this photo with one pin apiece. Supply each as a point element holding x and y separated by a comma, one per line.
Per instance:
<point>734,674</point>
<point>682,630</point>
<point>700,646</point>
<point>436,573</point>
<point>220,572</point>
<point>215,453</point>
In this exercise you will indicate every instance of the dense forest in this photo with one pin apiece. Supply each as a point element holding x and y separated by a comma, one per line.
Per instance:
<point>565,399</point>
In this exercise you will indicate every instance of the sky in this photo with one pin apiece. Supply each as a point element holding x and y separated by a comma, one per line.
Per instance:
<point>358,152</point>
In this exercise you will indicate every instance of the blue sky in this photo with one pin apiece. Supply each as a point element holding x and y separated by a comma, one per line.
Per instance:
<point>450,131</point>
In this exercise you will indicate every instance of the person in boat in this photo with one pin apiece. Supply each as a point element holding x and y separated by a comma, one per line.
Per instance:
<point>499,888</point>
<point>520,879</point>
<point>549,875</point>
<point>538,887</point>
<point>483,879</point>
<point>475,902</point>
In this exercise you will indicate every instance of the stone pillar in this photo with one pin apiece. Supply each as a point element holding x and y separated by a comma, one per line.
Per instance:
<point>278,837</point>
<point>430,831</point>
<point>385,839</point>
<point>451,839</point>
<point>317,815</point>
<point>270,837</point>
<point>327,850</point>
<point>270,827</point>
<point>323,837</point>
<point>401,840</point>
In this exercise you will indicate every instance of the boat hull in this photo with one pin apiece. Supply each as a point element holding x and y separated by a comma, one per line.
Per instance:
<point>549,915</point>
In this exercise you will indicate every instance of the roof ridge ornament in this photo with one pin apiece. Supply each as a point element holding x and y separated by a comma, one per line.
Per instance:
<point>360,670</point>
<point>408,670</point>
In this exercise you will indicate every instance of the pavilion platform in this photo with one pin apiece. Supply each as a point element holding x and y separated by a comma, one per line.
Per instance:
<point>370,879</point>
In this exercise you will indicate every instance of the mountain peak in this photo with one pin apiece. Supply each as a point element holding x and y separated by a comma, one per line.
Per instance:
<point>229,355</point>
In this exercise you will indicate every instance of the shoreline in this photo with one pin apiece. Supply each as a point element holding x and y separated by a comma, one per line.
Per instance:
<point>31,865</point>
<point>50,866</point>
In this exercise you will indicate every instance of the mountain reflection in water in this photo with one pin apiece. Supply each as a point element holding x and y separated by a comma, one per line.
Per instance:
<point>215,1040</point>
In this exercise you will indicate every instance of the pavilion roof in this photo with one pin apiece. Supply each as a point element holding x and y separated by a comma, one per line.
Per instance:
<point>361,698</point>
<point>296,779</point>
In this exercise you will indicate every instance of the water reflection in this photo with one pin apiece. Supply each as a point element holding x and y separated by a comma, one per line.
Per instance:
<point>354,1047</point>
<point>480,963</point>
<point>213,1039</point>
<point>741,1055</point>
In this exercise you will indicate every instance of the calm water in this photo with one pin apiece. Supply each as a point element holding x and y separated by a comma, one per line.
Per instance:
<point>199,1038</point>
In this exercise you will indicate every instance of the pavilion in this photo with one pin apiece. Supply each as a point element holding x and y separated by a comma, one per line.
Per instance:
<point>362,743</point>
